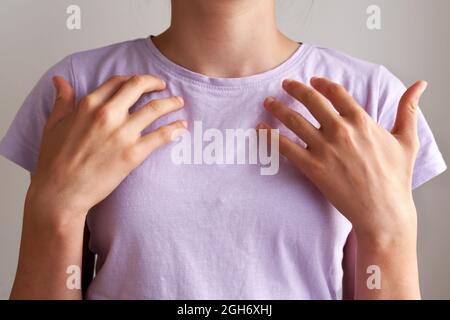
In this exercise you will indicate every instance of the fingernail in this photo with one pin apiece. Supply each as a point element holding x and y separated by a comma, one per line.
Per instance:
<point>287,82</point>
<point>181,100</point>
<point>268,101</point>
<point>424,86</point>
<point>184,124</point>
<point>261,126</point>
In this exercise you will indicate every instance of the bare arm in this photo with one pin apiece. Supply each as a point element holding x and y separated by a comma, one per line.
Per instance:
<point>349,267</point>
<point>86,152</point>
<point>46,252</point>
<point>52,266</point>
<point>396,263</point>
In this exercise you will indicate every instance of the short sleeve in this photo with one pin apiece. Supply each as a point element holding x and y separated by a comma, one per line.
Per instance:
<point>22,140</point>
<point>429,162</point>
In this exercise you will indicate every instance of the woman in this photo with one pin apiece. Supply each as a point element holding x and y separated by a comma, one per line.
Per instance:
<point>339,211</point>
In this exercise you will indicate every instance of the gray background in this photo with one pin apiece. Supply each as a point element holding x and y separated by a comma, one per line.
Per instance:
<point>413,43</point>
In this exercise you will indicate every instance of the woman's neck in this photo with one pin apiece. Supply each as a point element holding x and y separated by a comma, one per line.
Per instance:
<point>225,38</point>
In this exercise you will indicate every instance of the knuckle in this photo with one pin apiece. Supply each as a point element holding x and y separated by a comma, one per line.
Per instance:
<point>67,96</point>
<point>166,133</point>
<point>104,117</point>
<point>360,119</point>
<point>334,89</point>
<point>342,133</point>
<point>156,107</point>
<point>411,107</point>
<point>175,101</point>
<point>334,124</point>
<point>87,102</point>
<point>291,120</point>
<point>137,80</point>
<point>309,95</point>
<point>131,155</point>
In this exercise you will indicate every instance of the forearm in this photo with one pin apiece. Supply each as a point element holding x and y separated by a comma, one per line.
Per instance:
<point>46,252</point>
<point>391,263</point>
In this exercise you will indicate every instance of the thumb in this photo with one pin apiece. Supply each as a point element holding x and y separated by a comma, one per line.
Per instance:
<point>405,127</point>
<point>64,100</point>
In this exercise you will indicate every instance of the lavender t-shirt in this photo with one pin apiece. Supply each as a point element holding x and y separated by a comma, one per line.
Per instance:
<point>216,231</point>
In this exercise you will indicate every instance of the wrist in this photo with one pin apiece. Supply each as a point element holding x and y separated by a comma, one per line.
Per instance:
<point>402,237</point>
<point>385,243</point>
<point>47,217</point>
<point>388,225</point>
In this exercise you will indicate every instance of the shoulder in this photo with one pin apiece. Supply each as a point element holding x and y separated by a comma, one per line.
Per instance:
<point>101,56</point>
<point>371,84</point>
<point>88,69</point>
<point>340,64</point>
<point>121,50</point>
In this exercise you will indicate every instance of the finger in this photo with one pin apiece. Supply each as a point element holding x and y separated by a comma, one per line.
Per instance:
<point>316,103</point>
<point>405,126</point>
<point>339,97</point>
<point>293,120</point>
<point>104,92</point>
<point>161,136</point>
<point>64,100</point>
<point>133,89</point>
<point>298,155</point>
<point>154,110</point>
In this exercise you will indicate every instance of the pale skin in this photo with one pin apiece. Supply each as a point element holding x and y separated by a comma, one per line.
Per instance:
<point>90,147</point>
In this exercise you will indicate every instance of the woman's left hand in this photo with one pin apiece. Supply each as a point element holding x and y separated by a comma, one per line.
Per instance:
<point>364,170</point>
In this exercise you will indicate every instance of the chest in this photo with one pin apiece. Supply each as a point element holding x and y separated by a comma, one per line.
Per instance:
<point>210,187</point>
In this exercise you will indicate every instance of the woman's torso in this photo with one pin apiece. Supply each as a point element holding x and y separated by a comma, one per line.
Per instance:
<point>217,231</point>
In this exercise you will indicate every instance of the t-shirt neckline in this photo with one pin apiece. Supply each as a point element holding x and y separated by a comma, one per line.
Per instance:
<point>195,78</point>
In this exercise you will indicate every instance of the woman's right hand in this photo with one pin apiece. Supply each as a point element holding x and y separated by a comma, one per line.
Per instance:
<point>89,149</point>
